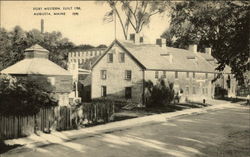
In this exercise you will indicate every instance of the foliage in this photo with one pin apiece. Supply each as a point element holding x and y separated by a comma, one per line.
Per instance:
<point>20,97</point>
<point>222,25</point>
<point>220,92</point>
<point>134,13</point>
<point>13,43</point>
<point>159,94</point>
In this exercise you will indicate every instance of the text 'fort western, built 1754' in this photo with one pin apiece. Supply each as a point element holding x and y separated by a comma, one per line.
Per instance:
<point>61,11</point>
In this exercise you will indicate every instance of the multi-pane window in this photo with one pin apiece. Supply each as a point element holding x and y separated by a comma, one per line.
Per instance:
<point>103,91</point>
<point>128,74</point>
<point>164,74</point>
<point>128,92</point>
<point>157,74</point>
<point>194,90</point>
<point>187,74</point>
<point>122,57</point>
<point>193,74</point>
<point>91,53</point>
<point>206,75</point>
<point>176,74</point>
<point>110,57</point>
<point>104,74</point>
<point>187,90</point>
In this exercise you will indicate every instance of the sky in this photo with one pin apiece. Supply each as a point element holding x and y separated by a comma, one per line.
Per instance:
<point>85,28</point>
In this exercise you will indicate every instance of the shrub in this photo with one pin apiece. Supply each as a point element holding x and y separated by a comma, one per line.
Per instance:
<point>20,97</point>
<point>220,92</point>
<point>158,95</point>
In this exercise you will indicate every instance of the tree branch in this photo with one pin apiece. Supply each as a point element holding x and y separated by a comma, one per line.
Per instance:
<point>136,7</point>
<point>119,17</point>
<point>130,10</point>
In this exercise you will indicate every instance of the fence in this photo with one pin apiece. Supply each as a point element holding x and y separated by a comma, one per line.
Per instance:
<point>58,118</point>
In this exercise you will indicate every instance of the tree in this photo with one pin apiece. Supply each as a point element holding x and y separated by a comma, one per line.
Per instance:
<point>136,14</point>
<point>222,25</point>
<point>13,44</point>
<point>21,97</point>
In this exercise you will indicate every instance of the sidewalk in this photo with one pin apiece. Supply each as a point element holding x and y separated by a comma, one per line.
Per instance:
<point>64,136</point>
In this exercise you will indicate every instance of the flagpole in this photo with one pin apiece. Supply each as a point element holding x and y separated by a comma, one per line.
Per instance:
<point>115,23</point>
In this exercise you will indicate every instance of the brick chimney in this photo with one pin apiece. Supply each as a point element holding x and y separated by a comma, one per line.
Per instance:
<point>193,48</point>
<point>208,50</point>
<point>42,26</point>
<point>161,42</point>
<point>136,38</point>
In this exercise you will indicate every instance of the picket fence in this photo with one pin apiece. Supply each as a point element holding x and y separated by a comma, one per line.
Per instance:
<point>58,118</point>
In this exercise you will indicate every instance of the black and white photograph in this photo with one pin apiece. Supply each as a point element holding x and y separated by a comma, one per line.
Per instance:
<point>124,78</point>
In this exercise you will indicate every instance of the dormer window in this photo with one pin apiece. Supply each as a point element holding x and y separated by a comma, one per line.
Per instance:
<point>168,56</point>
<point>193,58</point>
<point>110,58</point>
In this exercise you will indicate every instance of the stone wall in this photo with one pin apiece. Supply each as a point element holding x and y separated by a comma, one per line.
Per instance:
<point>115,81</point>
<point>198,87</point>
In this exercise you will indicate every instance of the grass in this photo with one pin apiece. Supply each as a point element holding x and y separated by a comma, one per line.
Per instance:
<point>123,114</point>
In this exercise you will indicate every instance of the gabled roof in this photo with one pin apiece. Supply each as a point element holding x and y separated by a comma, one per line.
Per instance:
<point>214,62</point>
<point>110,46</point>
<point>154,57</point>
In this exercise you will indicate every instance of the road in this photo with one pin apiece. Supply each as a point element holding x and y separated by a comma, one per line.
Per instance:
<point>224,133</point>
